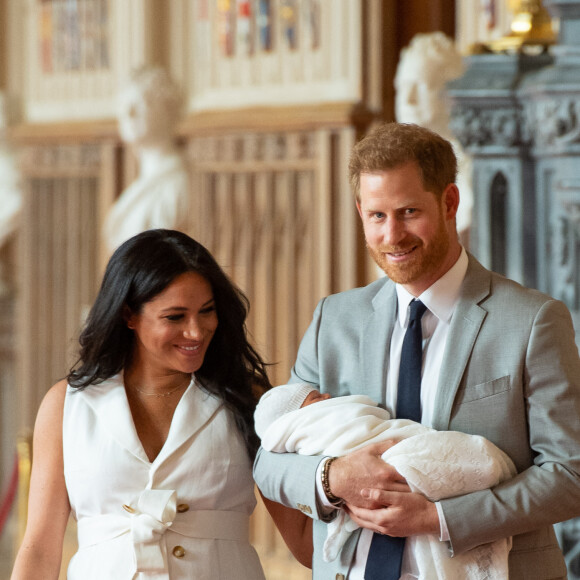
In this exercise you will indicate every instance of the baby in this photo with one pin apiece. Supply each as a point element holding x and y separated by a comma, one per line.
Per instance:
<point>296,418</point>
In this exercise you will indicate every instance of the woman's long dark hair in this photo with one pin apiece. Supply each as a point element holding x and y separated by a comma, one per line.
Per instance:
<point>139,270</point>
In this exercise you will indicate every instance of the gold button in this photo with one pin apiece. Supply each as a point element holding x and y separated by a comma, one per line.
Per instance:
<point>179,551</point>
<point>182,508</point>
<point>340,577</point>
<point>128,508</point>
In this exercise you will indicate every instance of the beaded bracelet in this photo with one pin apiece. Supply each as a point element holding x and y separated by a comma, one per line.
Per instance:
<point>325,485</point>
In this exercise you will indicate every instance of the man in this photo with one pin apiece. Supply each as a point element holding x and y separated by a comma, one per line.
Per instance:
<point>499,361</point>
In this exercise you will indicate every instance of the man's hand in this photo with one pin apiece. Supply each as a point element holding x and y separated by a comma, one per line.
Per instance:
<point>403,513</point>
<point>377,497</point>
<point>364,469</point>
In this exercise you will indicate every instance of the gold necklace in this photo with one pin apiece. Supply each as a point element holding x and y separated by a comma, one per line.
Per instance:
<point>147,394</point>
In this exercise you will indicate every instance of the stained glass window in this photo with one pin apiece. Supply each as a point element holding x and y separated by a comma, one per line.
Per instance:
<point>312,23</point>
<point>489,7</point>
<point>226,22</point>
<point>73,35</point>
<point>289,18</point>
<point>264,22</point>
<point>245,28</point>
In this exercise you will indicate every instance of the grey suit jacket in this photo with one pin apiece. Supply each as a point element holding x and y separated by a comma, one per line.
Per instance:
<point>511,373</point>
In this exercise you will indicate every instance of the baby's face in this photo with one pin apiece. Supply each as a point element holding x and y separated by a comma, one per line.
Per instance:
<point>314,397</point>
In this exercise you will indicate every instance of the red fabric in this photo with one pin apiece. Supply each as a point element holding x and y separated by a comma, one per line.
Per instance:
<point>9,496</point>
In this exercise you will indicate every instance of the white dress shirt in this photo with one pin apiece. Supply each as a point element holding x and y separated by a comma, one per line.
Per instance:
<point>440,299</point>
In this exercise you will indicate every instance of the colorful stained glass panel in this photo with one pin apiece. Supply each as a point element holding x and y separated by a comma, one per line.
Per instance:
<point>289,19</point>
<point>73,35</point>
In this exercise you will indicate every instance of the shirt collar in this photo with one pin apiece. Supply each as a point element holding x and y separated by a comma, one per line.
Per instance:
<point>441,297</point>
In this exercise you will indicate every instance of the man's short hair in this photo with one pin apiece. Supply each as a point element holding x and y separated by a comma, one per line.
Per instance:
<point>392,145</point>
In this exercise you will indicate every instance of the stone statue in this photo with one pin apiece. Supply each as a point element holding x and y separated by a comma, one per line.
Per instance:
<point>10,189</point>
<point>425,66</point>
<point>150,107</point>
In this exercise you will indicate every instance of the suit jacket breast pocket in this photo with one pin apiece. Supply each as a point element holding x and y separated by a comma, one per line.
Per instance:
<point>483,390</point>
<point>496,410</point>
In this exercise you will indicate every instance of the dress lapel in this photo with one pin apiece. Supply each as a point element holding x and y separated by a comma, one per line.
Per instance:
<point>109,402</point>
<point>465,325</point>
<point>196,409</point>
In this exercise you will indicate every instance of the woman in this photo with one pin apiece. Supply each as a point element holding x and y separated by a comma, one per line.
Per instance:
<point>150,440</point>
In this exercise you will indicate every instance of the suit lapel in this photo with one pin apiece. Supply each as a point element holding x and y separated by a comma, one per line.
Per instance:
<point>376,340</point>
<point>465,326</point>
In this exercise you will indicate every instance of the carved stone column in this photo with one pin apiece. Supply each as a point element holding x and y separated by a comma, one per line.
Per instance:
<point>518,116</point>
<point>551,103</point>
<point>487,119</point>
<point>551,100</point>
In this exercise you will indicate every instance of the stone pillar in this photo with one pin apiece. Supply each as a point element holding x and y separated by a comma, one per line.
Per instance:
<point>518,115</point>
<point>550,99</point>
<point>487,120</point>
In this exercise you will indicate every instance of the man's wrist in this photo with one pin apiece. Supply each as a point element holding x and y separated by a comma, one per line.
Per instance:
<point>333,499</point>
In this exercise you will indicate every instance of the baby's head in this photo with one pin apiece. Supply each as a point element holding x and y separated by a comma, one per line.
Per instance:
<point>313,397</point>
<point>284,399</point>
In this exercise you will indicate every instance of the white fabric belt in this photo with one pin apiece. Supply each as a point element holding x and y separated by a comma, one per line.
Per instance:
<point>153,515</point>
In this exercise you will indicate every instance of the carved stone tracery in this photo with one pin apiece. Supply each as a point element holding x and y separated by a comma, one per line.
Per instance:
<point>478,127</point>
<point>255,147</point>
<point>553,121</point>
<point>565,243</point>
<point>61,158</point>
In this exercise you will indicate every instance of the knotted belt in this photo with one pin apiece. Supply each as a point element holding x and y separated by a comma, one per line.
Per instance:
<point>150,517</point>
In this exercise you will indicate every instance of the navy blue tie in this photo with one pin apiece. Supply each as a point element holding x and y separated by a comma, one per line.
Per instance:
<point>409,388</point>
<point>386,553</point>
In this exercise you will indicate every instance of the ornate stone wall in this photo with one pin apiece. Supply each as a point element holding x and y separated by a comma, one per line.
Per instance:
<point>517,115</point>
<point>488,119</point>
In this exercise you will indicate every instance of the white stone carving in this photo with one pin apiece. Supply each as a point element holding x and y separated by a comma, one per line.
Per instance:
<point>478,127</point>
<point>150,107</point>
<point>553,121</point>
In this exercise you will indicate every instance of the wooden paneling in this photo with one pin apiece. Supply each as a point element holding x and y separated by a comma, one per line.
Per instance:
<point>58,260</point>
<point>414,16</point>
<point>276,212</point>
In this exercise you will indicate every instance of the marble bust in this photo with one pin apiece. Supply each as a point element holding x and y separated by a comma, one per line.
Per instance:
<point>425,66</point>
<point>150,106</point>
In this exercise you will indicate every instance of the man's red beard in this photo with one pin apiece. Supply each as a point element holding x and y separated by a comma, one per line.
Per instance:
<point>422,261</point>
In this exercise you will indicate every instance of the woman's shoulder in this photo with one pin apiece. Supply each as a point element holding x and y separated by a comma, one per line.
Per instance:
<point>56,394</point>
<point>51,409</point>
